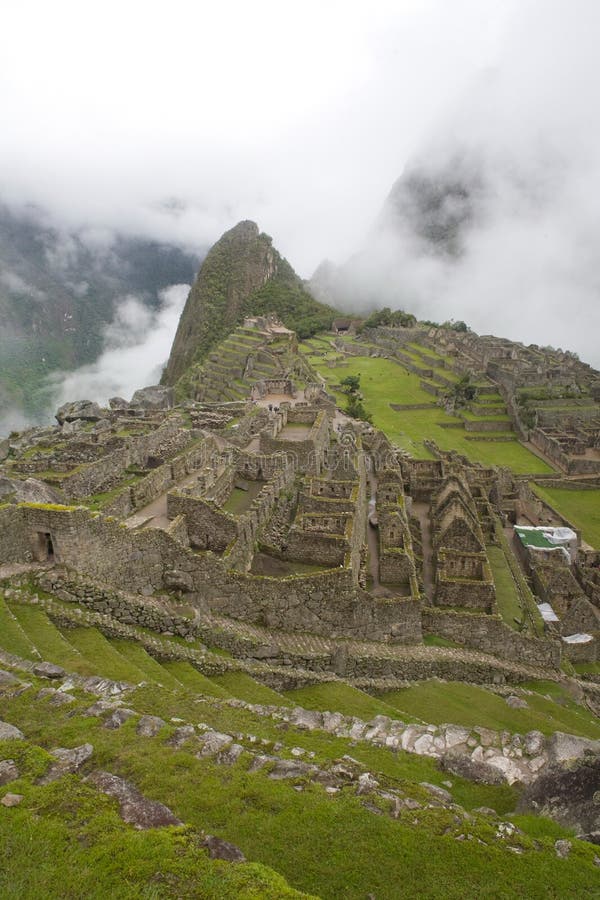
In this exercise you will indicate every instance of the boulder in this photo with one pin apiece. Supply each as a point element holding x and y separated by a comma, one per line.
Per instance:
<point>534,743</point>
<point>568,794</point>
<point>437,792</point>
<point>87,410</point>
<point>68,762</point>
<point>182,735</point>
<point>455,735</point>
<point>119,717</point>
<point>10,732</point>
<point>8,771</point>
<point>73,427</point>
<point>214,742</point>
<point>366,783</point>
<point>98,708</point>
<point>48,670</point>
<point>230,755</point>
<point>592,837</point>
<point>290,768</point>
<point>473,770</point>
<point>156,396</point>
<point>512,770</point>
<point>135,809</point>
<point>175,580</point>
<point>149,726</point>
<point>102,425</point>
<point>220,849</point>
<point>562,848</point>
<point>563,747</point>
<point>57,698</point>
<point>29,491</point>
<point>11,800</point>
<point>517,702</point>
<point>306,718</point>
<point>118,403</point>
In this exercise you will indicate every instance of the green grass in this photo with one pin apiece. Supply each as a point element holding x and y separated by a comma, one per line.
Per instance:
<point>384,382</point>
<point>587,668</point>
<point>48,640</point>
<point>93,645</point>
<point>238,684</point>
<point>473,417</point>
<point>98,501</point>
<point>582,508</point>
<point>135,654</point>
<point>436,640</point>
<point>12,636</point>
<point>239,501</point>
<point>65,840</point>
<point>191,678</point>
<point>465,704</point>
<point>339,697</point>
<point>68,840</point>
<point>425,351</point>
<point>507,595</point>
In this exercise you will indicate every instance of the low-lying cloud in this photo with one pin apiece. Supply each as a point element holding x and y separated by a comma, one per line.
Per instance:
<point>136,347</point>
<point>494,220</point>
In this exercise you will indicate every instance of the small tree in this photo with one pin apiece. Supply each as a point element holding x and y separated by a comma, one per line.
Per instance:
<point>356,410</point>
<point>350,384</point>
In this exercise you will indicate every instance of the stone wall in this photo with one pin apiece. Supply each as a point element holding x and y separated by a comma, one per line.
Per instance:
<point>396,567</point>
<point>483,425</point>
<point>14,545</point>
<point>490,635</point>
<point>314,548</point>
<point>261,466</point>
<point>98,476</point>
<point>571,465</point>
<point>144,562</point>
<point>325,603</point>
<point>159,480</point>
<point>308,454</point>
<point>464,579</point>
<point>123,607</point>
<point>249,525</point>
<point>208,526</point>
<point>310,503</point>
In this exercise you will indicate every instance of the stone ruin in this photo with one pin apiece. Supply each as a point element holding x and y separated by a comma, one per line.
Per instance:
<point>291,517</point>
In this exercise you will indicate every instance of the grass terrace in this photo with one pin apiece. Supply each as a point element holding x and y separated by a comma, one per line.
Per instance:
<point>384,382</point>
<point>507,595</point>
<point>67,840</point>
<point>469,705</point>
<point>581,507</point>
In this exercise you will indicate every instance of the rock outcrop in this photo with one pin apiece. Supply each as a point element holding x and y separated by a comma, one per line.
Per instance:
<point>568,794</point>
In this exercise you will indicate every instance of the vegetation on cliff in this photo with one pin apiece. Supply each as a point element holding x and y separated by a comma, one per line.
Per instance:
<point>242,275</point>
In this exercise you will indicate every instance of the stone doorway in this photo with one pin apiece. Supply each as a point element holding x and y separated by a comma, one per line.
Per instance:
<point>43,549</point>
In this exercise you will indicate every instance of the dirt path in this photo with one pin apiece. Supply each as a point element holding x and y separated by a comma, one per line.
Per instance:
<point>421,511</point>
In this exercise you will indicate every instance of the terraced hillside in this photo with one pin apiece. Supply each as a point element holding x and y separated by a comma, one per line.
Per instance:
<point>402,396</point>
<point>246,356</point>
<point>158,742</point>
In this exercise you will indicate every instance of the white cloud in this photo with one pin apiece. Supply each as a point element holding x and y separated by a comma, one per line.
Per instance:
<point>177,120</point>
<point>136,347</point>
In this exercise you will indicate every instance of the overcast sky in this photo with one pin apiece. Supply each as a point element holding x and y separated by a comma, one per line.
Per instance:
<point>298,115</point>
<point>180,118</point>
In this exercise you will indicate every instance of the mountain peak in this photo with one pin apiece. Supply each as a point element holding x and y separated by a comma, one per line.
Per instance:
<point>240,262</point>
